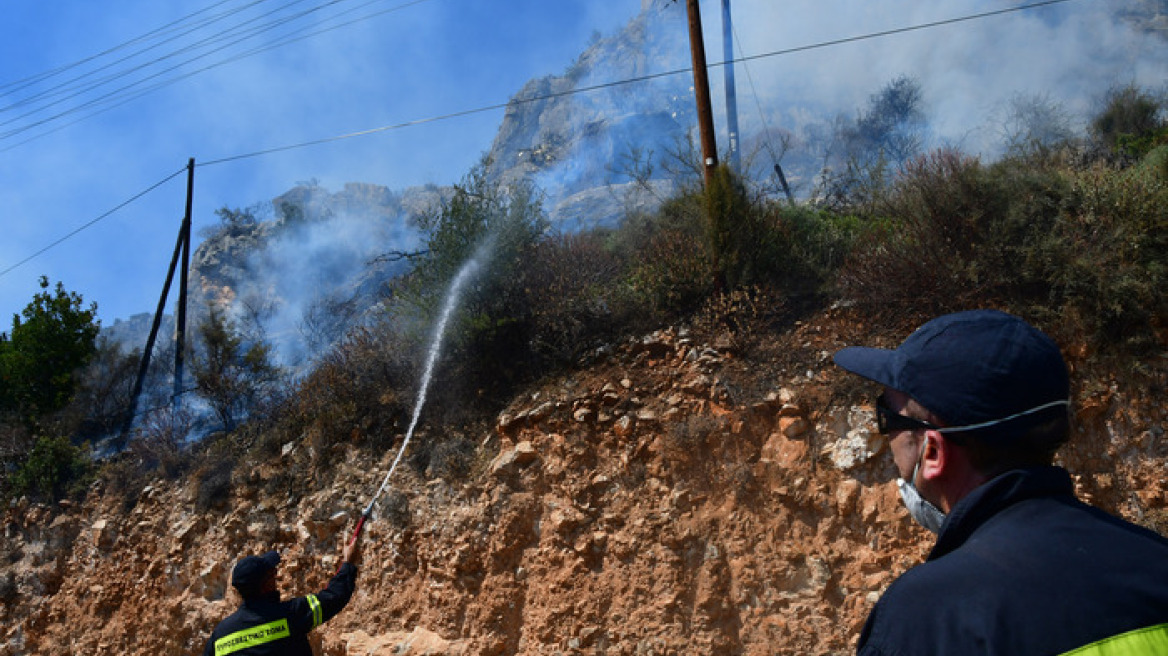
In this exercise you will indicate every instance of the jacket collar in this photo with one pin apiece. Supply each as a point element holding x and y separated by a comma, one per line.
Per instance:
<point>995,496</point>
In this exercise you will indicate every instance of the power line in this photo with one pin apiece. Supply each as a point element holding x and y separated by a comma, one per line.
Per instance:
<point>130,92</point>
<point>70,86</point>
<point>541,98</point>
<point>198,44</point>
<point>617,83</point>
<point>22,83</point>
<point>94,221</point>
<point>899,30</point>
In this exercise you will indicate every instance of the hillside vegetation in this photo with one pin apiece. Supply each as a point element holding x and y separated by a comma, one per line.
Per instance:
<point>636,442</point>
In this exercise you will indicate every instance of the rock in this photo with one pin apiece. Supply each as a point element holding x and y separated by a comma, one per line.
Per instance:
<point>783,451</point>
<point>623,427</point>
<point>655,345</point>
<point>539,413</point>
<point>525,453</point>
<point>505,423</point>
<point>104,533</point>
<point>697,385</point>
<point>212,581</point>
<point>511,460</point>
<point>62,532</point>
<point>794,427</point>
<point>856,448</point>
<point>419,642</point>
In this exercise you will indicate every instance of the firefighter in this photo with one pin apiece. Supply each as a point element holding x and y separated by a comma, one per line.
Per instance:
<point>266,626</point>
<point>975,404</point>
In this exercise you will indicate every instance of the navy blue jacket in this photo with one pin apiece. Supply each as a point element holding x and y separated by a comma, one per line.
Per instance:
<point>1023,567</point>
<point>270,627</point>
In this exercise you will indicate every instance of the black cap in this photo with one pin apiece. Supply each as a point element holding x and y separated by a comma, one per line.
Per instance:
<point>250,571</point>
<point>981,371</point>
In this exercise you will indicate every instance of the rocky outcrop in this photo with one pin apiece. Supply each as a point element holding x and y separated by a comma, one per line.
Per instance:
<point>594,148</point>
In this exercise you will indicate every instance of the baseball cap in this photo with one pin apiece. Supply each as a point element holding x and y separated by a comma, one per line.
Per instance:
<point>984,372</point>
<point>251,570</point>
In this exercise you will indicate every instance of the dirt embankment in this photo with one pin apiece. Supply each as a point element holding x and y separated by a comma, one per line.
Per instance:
<point>671,498</point>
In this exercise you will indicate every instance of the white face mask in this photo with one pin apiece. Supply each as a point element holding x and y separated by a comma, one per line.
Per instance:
<point>925,513</point>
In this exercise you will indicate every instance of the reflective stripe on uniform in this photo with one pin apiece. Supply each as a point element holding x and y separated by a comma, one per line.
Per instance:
<point>256,635</point>
<point>317,611</point>
<point>1150,640</point>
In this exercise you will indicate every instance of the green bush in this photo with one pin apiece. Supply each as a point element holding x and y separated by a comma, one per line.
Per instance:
<point>1107,259</point>
<point>1083,248</point>
<point>53,469</point>
<point>1131,123</point>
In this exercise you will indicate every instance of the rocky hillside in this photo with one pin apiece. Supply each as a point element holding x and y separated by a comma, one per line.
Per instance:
<point>675,495</point>
<point>581,148</point>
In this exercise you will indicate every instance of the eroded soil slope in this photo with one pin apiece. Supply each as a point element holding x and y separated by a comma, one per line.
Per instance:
<point>672,497</point>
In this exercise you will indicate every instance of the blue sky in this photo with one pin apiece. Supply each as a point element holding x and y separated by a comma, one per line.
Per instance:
<point>435,57</point>
<point>423,60</point>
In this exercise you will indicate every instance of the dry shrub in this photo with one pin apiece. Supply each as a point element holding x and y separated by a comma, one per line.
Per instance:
<point>743,316</point>
<point>212,474</point>
<point>673,275</point>
<point>159,445</point>
<point>124,478</point>
<point>354,389</point>
<point>394,507</point>
<point>449,458</point>
<point>927,252</point>
<point>575,301</point>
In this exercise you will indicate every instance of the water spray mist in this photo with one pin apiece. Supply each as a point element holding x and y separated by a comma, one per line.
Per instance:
<point>448,306</point>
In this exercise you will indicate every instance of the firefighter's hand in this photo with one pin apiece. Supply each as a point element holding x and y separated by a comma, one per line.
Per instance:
<point>352,552</point>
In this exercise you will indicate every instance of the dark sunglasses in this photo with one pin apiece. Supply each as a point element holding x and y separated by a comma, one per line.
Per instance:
<point>888,421</point>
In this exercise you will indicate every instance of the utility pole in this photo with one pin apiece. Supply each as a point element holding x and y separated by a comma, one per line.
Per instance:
<point>180,333</point>
<point>731,97</point>
<point>181,249</point>
<point>697,47</point>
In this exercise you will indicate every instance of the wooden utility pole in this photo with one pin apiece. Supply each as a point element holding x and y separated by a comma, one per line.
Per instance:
<point>697,47</point>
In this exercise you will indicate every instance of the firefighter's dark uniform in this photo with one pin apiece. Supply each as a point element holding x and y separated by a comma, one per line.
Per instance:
<point>1022,567</point>
<point>270,627</point>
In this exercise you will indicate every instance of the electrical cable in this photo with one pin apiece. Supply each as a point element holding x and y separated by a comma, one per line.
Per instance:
<point>112,100</point>
<point>68,85</point>
<point>96,220</point>
<point>544,97</point>
<point>44,75</point>
<point>898,30</point>
<point>209,40</point>
<point>617,83</point>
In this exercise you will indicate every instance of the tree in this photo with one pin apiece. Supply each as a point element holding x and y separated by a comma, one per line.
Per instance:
<point>501,225</point>
<point>52,339</point>
<point>865,153</point>
<point>231,375</point>
<point>1131,122</point>
<point>1035,125</point>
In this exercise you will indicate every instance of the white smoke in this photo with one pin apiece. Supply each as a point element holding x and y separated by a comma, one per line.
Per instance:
<point>315,278</point>
<point>578,145</point>
<point>969,71</point>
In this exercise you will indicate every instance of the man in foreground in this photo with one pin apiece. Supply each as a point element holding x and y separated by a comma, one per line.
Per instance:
<point>266,626</point>
<point>975,404</point>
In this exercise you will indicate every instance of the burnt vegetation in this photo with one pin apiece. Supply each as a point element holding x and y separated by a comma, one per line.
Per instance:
<point>1069,230</point>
